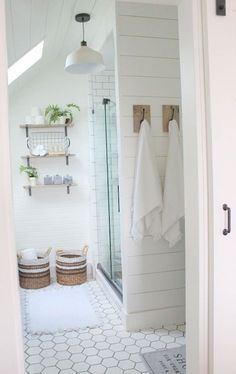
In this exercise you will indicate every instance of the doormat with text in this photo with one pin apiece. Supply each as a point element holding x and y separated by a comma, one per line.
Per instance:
<point>169,361</point>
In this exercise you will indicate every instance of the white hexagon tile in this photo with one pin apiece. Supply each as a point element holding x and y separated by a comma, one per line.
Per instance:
<point>106,349</point>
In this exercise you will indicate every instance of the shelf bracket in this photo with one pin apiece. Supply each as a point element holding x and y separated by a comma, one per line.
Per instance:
<point>67,160</point>
<point>68,189</point>
<point>30,191</point>
<point>65,130</point>
<point>26,131</point>
<point>28,161</point>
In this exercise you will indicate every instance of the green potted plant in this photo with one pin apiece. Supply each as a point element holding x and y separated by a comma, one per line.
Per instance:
<point>32,174</point>
<point>55,114</point>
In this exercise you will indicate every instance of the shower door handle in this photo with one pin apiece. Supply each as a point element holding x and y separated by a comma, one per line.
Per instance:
<point>118,197</point>
<point>227,229</point>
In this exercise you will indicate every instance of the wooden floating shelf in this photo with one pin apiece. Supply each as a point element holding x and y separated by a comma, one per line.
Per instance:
<point>46,186</point>
<point>50,185</point>
<point>50,156</point>
<point>47,126</point>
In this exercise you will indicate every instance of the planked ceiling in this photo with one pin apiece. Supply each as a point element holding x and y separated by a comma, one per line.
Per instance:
<point>30,21</point>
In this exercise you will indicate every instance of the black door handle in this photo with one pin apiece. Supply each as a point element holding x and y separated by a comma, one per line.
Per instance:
<point>227,209</point>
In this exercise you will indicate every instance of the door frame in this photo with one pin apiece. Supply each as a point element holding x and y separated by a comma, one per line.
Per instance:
<point>196,191</point>
<point>196,144</point>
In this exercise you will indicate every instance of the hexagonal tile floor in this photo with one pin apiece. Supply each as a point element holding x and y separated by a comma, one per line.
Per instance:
<point>108,349</point>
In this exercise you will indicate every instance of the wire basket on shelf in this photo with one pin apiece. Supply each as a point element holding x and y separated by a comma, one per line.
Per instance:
<point>53,143</point>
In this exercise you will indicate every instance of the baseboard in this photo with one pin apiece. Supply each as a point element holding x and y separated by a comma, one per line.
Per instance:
<point>109,292</point>
<point>142,320</point>
<point>154,319</point>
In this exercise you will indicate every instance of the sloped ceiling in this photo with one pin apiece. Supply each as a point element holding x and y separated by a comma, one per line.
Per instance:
<point>30,21</point>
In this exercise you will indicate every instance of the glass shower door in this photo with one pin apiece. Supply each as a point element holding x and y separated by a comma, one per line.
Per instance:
<point>107,192</point>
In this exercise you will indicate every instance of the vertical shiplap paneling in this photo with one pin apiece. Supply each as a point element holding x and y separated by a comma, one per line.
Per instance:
<point>149,73</point>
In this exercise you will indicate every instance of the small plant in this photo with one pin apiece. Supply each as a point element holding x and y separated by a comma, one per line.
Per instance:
<point>29,170</point>
<point>54,112</point>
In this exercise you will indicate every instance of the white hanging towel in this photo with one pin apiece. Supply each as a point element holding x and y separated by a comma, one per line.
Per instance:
<point>173,209</point>
<point>147,194</point>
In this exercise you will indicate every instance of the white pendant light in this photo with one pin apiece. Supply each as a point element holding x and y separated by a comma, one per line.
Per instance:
<point>85,60</point>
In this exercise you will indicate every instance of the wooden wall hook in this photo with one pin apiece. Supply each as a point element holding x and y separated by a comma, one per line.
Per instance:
<point>169,112</point>
<point>141,112</point>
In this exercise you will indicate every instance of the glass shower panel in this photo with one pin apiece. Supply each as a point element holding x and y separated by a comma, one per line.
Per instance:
<point>107,192</point>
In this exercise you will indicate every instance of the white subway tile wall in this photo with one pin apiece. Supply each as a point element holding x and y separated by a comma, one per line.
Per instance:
<point>103,86</point>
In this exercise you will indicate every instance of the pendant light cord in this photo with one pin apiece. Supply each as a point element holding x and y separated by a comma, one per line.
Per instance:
<point>83,30</point>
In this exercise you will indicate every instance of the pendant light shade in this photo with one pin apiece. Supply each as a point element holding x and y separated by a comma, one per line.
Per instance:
<point>85,60</point>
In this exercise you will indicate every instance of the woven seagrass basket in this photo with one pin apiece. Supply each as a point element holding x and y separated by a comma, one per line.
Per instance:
<point>71,267</point>
<point>34,274</point>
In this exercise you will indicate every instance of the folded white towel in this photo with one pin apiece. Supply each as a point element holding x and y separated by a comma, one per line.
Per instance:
<point>173,209</point>
<point>147,194</point>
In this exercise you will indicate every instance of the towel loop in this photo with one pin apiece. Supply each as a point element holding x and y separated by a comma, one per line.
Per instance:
<point>143,116</point>
<point>173,113</point>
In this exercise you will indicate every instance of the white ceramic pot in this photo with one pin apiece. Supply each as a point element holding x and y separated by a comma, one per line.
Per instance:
<point>29,120</point>
<point>39,120</point>
<point>29,254</point>
<point>62,120</point>
<point>32,181</point>
<point>36,111</point>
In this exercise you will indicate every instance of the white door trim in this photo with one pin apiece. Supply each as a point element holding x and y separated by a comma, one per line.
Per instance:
<point>195,149</point>
<point>11,342</point>
<point>194,117</point>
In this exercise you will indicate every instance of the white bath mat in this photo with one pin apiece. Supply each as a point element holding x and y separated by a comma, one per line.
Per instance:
<point>170,361</point>
<point>59,308</point>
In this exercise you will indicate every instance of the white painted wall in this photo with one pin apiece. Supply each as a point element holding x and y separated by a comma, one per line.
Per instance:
<point>51,217</point>
<point>148,73</point>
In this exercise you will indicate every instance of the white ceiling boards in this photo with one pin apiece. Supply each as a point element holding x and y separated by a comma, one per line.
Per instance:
<point>31,21</point>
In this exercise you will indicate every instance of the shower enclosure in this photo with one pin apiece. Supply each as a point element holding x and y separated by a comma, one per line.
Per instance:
<point>107,193</point>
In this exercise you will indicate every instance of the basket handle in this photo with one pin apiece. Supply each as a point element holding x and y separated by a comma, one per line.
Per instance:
<point>85,249</point>
<point>48,251</point>
<point>59,252</point>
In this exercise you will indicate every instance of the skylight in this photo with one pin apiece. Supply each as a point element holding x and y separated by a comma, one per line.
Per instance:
<point>25,62</point>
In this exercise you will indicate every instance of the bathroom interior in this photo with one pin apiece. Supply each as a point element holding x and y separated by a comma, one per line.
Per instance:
<point>92,178</point>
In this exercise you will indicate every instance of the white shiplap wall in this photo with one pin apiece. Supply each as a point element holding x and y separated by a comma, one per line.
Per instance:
<point>148,72</point>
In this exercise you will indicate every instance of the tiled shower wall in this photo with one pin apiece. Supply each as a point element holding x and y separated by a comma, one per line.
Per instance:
<point>100,86</point>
